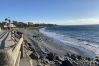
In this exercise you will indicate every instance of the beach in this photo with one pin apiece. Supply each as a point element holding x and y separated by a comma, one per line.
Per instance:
<point>47,44</point>
<point>44,48</point>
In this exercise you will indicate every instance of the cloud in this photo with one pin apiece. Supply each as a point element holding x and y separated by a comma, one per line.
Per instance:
<point>81,21</point>
<point>78,21</point>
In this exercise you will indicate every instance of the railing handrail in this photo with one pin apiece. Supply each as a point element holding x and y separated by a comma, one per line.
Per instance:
<point>12,55</point>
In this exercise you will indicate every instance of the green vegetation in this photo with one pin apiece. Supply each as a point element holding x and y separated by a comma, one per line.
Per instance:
<point>20,24</point>
<point>24,25</point>
<point>2,24</point>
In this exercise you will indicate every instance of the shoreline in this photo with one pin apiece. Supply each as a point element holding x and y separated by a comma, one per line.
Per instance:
<point>74,50</point>
<point>44,46</point>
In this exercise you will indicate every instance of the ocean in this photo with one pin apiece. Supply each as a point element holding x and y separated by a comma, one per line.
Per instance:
<point>82,37</point>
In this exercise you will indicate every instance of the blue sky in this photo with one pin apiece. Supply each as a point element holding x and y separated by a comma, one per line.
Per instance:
<point>69,12</point>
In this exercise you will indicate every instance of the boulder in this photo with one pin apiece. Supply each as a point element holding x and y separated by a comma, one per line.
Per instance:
<point>50,56</point>
<point>39,64</point>
<point>60,58</point>
<point>35,56</point>
<point>45,65</point>
<point>46,61</point>
<point>66,63</point>
<point>57,62</point>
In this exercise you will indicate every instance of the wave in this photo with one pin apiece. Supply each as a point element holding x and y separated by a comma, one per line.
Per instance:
<point>83,45</point>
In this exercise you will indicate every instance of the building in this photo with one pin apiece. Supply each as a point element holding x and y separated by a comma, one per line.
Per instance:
<point>9,26</point>
<point>30,23</point>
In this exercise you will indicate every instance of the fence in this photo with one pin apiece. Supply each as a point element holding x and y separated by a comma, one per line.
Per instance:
<point>11,56</point>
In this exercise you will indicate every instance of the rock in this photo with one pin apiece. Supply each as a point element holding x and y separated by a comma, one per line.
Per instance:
<point>39,64</point>
<point>34,56</point>
<point>60,58</point>
<point>50,56</point>
<point>57,62</point>
<point>32,49</point>
<point>46,61</point>
<point>45,65</point>
<point>34,36</point>
<point>66,63</point>
<point>29,44</point>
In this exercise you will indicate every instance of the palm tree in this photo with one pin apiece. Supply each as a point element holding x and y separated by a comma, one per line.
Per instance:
<point>6,19</point>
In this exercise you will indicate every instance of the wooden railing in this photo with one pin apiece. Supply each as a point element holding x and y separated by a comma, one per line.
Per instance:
<point>11,56</point>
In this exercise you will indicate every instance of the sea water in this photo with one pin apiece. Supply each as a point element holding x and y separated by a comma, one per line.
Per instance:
<point>82,37</point>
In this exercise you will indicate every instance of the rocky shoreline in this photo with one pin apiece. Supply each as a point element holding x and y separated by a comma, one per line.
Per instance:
<point>44,52</point>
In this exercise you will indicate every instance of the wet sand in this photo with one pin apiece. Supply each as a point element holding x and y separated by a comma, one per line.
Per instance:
<point>41,48</point>
<point>47,44</point>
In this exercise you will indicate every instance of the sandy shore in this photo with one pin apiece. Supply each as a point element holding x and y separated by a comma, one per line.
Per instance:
<point>47,44</point>
<point>42,46</point>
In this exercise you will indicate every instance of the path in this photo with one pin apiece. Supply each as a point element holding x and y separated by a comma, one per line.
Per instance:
<point>5,39</point>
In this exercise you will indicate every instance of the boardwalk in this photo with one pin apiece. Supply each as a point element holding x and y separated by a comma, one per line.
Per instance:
<point>10,51</point>
<point>5,39</point>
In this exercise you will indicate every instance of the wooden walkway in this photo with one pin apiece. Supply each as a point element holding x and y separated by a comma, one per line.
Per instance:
<point>5,40</point>
<point>11,48</point>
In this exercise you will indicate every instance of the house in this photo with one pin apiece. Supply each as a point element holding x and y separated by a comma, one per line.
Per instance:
<point>9,26</point>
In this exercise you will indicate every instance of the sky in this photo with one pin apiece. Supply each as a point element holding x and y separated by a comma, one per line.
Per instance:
<point>62,12</point>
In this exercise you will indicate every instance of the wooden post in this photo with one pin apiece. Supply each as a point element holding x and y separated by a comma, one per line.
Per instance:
<point>10,56</point>
<point>16,50</point>
<point>18,59</point>
<point>6,58</point>
<point>22,50</point>
<point>12,34</point>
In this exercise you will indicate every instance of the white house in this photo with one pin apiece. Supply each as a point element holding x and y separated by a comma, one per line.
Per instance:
<point>9,25</point>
